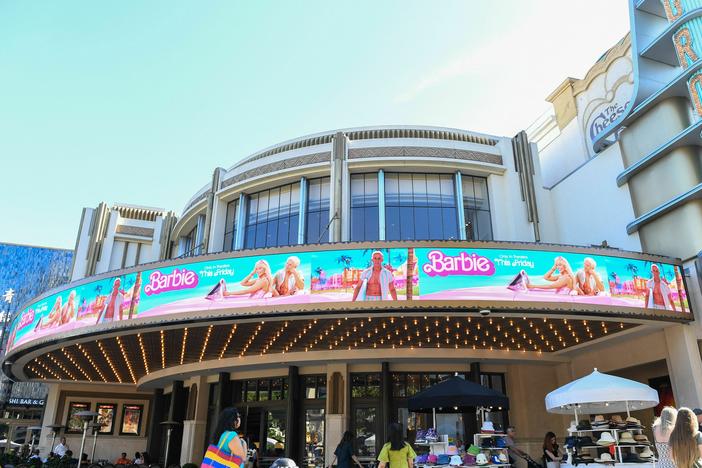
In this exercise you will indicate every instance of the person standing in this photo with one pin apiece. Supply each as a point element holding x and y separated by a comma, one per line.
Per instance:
<point>686,440</point>
<point>662,427</point>
<point>122,460</point>
<point>344,455</point>
<point>61,448</point>
<point>552,459</point>
<point>512,448</point>
<point>397,452</point>
<point>698,414</point>
<point>225,434</point>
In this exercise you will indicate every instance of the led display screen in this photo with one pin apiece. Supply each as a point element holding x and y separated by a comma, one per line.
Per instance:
<point>569,280</point>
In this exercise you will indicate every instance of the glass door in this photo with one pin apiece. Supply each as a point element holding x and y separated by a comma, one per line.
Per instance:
<point>314,438</point>
<point>365,430</point>
<point>274,431</point>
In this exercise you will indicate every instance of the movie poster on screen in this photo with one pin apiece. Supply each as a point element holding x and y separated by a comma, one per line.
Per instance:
<point>546,276</point>
<point>131,419</point>
<point>106,417</point>
<point>74,425</point>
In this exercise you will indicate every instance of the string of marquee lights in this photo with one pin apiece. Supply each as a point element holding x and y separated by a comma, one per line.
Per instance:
<point>226,343</point>
<point>61,366</point>
<point>36,372</point>
<point>53,374</point>
<point>126,359</point>
<point>182,349</point>
<point>204,343</point>
<point>456,331</point>
<point>163,351</point>
<point>75,364</point>
<point>251,340</point>
<point>274,338</point>
<point>92,363</point>
<point>143,354</point>
<point>109,361</point>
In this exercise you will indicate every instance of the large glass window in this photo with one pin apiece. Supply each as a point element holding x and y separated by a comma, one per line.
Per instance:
<point>476,208</point>
<point>230,225</point>
<point>317,211</point>
<point>365,385</point>
<point>264,389</point>
<point>272,217</point>
<point>364,207</point>
<point>420,206</point>
<point>189,243</point>
<point>315,387</point>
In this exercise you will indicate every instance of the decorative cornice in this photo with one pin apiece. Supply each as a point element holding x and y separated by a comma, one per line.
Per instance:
<point>281,165</point>
<point>135,231</point>
<point>418,152</point>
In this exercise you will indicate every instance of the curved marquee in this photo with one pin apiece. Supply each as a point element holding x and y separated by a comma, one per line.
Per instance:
<point>503,276</point>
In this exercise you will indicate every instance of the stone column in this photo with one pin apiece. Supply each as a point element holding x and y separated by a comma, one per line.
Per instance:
<point>684,365</point>
<point>385,402</point>
<point>294,440</point>
<point>157,408</point>
<point>339,148</point>
<point>50,414</point>
<point>193,444</point>
<point>176,412</point>
<point>338,407</point>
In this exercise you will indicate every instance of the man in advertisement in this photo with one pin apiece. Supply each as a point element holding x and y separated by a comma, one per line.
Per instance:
<point>288,280</point>
<point>587,279</point>
<point>658,293</point>
<point>376,283</point>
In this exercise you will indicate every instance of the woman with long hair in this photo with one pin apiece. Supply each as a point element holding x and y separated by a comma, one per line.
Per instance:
<point>344,453</point>
<point>560,277</point>
<point>397,452</point>
<point>225,434</point>
<point>662,427</point>
<point>255,288</point>
<point>551,456</point>
<point>686,441</point>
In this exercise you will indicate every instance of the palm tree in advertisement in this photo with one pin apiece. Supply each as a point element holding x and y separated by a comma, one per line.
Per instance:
<point>346,261</point>
<point>633,269</point>
<point>681,290</point>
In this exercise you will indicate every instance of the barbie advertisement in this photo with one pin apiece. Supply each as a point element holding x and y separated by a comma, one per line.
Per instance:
<point>353,275</point>
<point>281,280</point>
<point>542,276</point>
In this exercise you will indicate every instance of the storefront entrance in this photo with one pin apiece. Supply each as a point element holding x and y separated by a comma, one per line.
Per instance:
<point>265,429</point>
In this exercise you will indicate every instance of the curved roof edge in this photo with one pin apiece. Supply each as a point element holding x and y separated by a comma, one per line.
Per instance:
<point>373,132</point>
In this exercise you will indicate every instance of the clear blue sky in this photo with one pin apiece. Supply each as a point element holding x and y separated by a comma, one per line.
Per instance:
<point>137,102</point>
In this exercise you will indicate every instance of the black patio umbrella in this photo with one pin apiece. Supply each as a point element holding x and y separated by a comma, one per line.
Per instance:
<point>456,394</point>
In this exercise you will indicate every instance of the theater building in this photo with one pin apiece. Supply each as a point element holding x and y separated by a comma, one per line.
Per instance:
<point>319,283</point>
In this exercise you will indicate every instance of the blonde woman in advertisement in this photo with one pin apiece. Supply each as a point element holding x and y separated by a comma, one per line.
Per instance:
<point>68,312</point>
<point>662,427</point>
<point>54,317</point>
<point>256,288</point>
<point>560,276</point>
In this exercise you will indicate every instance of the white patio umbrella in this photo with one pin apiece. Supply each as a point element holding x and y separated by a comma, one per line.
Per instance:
<point>4,441</point>
<point>601,393</point>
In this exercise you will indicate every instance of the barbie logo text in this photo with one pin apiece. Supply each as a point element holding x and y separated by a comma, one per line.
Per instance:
<point>26,319</point>
<point>462,264</point>
<point>177,279</point>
